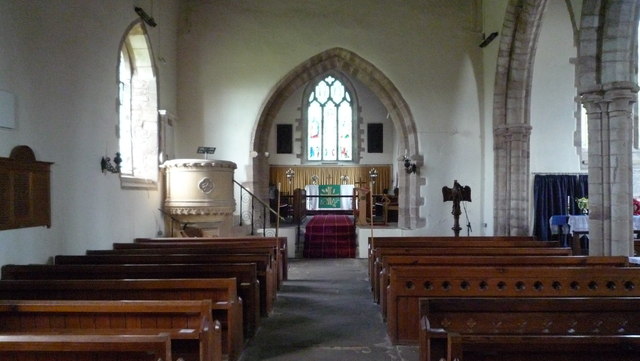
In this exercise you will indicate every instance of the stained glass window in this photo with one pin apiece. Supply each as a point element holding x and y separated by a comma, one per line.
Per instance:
<point>329,122</point>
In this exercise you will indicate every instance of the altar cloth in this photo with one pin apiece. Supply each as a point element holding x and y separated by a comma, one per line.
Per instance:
<point>315,203</point>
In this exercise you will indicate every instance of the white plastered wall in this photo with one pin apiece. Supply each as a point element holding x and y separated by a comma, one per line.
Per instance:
<point>233,55</point>
<point>553,94</point>
<point>59,59</point>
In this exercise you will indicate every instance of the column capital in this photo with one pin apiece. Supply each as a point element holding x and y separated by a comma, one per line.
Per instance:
<point>620,95</point>
<point>507,130</point>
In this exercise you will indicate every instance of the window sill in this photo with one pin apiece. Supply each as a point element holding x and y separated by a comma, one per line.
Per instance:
<point>128,182</point>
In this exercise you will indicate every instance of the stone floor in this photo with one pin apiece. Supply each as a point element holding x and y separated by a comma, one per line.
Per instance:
<point>325,312</point>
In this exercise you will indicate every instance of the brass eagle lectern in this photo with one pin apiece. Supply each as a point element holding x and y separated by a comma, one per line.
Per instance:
<point>456,194</point>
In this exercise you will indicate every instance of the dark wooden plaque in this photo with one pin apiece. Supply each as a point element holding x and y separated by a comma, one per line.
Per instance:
<point>25,191</point>
<point>284,141</point>
<point>374,138</point>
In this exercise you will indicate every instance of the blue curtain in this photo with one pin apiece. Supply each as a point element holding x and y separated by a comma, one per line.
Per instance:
<point>550,194</point>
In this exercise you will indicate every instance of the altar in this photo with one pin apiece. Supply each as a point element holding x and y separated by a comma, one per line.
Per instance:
<point>576,226</point>
<point>319,197</point>
<point>563,224</point>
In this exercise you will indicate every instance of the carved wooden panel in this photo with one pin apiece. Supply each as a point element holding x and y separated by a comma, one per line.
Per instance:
<point>25,199</point>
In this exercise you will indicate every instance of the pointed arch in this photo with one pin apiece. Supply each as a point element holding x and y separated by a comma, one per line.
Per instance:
<point>357,67</point>
<point>511,121</point>
<point>608,87</point>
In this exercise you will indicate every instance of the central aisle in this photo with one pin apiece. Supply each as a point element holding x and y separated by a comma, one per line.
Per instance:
<point>325,312</point>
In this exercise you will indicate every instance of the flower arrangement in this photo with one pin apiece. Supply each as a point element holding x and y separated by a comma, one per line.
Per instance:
<point>583,205</point>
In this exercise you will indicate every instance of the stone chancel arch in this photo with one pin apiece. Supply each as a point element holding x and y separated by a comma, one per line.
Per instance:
<point>349,63</point>
<point>511,123</point>
<point>608,88</point>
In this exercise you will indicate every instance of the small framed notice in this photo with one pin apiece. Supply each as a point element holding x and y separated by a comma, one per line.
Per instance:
<point>7,110</point>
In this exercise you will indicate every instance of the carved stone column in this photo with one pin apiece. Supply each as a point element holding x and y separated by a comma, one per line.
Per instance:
<point>609,113</point>
<point>511,189</point>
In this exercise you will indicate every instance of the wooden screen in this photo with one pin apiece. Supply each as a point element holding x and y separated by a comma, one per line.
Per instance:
<point>357,175</point>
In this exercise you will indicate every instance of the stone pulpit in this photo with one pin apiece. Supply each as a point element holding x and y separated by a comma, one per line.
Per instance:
<point>199,193</point>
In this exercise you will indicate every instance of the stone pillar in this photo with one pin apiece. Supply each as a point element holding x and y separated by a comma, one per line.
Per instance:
<point>511,150</point>
<point>609,113</point>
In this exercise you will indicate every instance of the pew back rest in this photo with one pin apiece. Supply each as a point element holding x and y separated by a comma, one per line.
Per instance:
<point>182,320</point>
<point>226,306</point>
<point>266,274</point>
<point>517,326</point>
<point>407,284</point>
<point>480,251</point>
<point>382,280</point>
<point>375,263</point>
<point>245,274</point>
<point>534,316</point>
<point>478,281</point>
<point>387,261</point>
<point>70,347</point>
<point>374,242</point>
<point>280,242</point>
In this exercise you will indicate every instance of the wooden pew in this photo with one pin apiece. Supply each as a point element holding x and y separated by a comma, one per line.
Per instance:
<point>280,242</point>
<point>504,250</point>
<point>407,284</point>
<point>72,347</point>
<point>215,247</point>
<point>551,261</point>
<point>266,275</point>
<point>226,307</point>
<point>194,334</point>
<point>268,288</point>
<point>245,274</point>
<point>518,329</point>
<point>265,292</point>
<point>458,242</point>
<point>374,243</point>
<point>408,243</point>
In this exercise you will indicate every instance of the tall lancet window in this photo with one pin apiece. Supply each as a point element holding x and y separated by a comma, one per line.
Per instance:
<point>137,110</point>
<point>330,122</point>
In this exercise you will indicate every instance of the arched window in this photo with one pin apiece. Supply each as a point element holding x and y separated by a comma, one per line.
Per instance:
<point>137,110</point>
<point>330,121</point>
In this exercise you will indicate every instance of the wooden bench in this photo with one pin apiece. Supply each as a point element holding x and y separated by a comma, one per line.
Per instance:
<point>266,276</point>
<point>85,347</point>
<point>407,284</point>
<point>281,244</point>
<point>467,242</point>
<point>211,247</point>
<point>388,261</point>
<point>245,274</point>
<point>226,306</point>
<point>374,243</point>
<point>516,329</point>
<point>407,247</point>
<point>380,253</point>
<point>265,292</point>
<point>279,264</point>
<point>194,335</point>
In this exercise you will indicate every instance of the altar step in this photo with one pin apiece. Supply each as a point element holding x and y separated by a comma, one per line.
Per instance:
<point>330,236</point>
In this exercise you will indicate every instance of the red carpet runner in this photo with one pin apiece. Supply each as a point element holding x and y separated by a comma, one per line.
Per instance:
<point>330,236</point>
